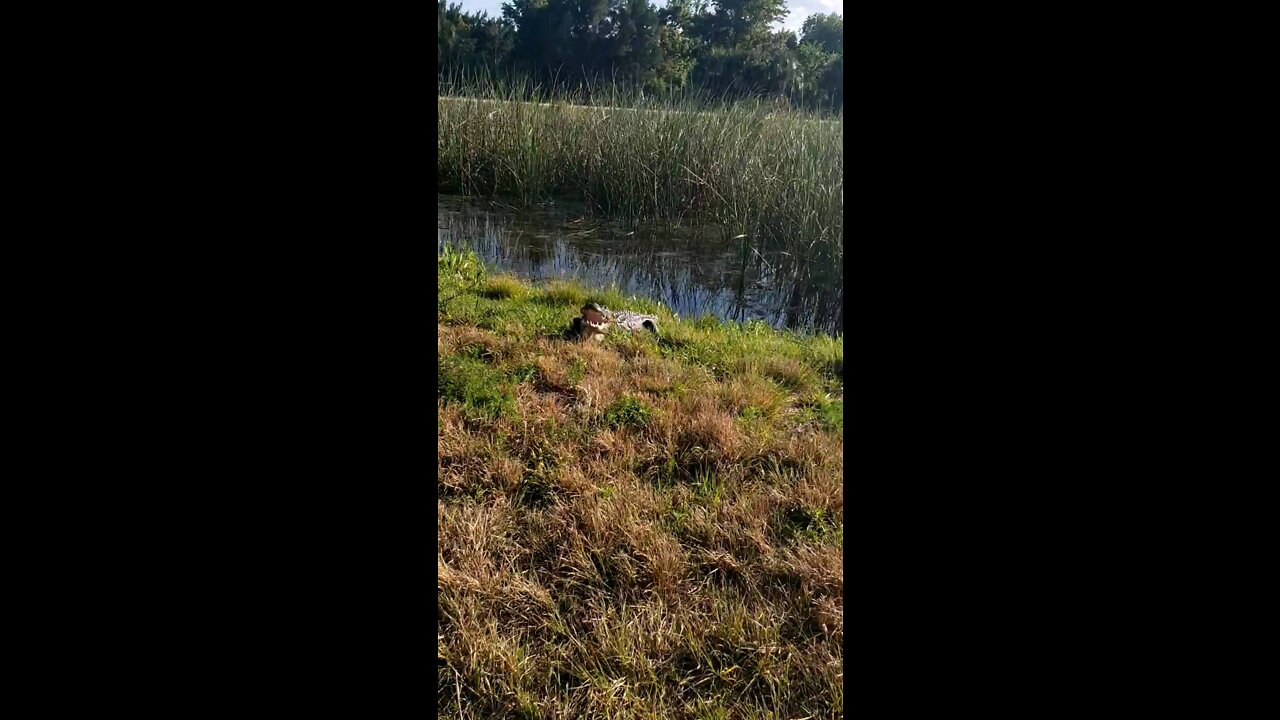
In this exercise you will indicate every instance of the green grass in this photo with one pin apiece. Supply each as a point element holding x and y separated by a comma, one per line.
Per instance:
<point>501,287</point>
<point>636,528</point>
<point>746,168</point>
<point>627,412</point>
<point>479,389</point>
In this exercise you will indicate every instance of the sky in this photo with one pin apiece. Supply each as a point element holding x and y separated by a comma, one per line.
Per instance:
<point>800,9</point>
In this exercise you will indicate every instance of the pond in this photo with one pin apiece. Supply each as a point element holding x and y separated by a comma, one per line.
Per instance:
<point>693,273</point>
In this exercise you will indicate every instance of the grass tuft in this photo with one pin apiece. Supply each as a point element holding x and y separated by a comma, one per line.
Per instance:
<point>502,287</point>
<point>478,388</point>
<point>627,411</point>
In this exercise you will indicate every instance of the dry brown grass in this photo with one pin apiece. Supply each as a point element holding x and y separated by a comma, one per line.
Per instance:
<point>682,561</point>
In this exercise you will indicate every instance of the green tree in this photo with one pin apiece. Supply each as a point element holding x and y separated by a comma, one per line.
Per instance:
<point>742,21</point>
<point>637,42</point>
<point>467,40</point>
<point>677,42</point>
<point>724,46</point>
<point>825,31</point>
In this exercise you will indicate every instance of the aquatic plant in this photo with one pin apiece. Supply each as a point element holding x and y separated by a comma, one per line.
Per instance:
<point>768,175</point>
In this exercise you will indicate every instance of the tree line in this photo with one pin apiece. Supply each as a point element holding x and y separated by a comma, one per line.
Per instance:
<point>724,47</point>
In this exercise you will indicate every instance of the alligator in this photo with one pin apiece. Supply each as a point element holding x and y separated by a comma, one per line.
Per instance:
<point>595,321</point>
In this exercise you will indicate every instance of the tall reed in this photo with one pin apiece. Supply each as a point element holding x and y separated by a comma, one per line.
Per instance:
<point>750,168</point>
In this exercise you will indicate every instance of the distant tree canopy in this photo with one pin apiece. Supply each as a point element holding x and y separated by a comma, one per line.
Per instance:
<point>724,46</point>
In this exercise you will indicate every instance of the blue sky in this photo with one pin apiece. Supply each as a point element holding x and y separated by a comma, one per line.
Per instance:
<point>800,9</point>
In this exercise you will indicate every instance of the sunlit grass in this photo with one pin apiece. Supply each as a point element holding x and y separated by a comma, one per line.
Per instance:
<point>636,528</point>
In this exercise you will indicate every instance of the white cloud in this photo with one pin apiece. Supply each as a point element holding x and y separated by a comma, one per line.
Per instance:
<point>799,12</point>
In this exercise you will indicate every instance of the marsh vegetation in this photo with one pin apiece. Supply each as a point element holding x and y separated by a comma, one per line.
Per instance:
<point>772,177</point>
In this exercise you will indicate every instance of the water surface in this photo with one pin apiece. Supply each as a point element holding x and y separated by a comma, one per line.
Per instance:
<point>693,273</point>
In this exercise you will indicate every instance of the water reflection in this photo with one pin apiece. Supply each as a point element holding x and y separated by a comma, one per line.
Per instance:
<point>693,274</point>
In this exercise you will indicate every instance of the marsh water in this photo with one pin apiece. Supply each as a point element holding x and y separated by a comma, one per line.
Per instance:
<point>692,272</point>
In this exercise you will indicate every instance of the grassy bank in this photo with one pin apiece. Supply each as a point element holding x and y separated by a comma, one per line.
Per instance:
<point>776,176</point>
<point>639,528</point>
